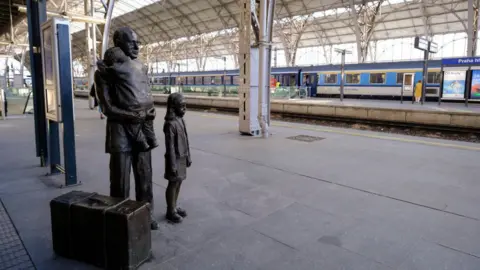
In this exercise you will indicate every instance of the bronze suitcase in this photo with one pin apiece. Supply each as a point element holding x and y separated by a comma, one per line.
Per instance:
<point>128,235</point>
<point>111,233</point>
<point>60,218</point>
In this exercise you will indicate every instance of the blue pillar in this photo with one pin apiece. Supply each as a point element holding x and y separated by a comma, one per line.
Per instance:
<point>54,147</point>
<point>37,14</point>
<point>68,113</point>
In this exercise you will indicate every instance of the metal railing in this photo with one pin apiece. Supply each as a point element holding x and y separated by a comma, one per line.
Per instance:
<point>290,92</point>
<point>15,101</point>
<point>232,91</point>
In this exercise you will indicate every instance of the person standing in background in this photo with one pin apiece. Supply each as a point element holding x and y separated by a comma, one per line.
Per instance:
<point>5,103</point>
<point>95,101</point>
<point>418,91</point>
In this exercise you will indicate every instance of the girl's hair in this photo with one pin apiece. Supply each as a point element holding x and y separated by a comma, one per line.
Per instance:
<point>114,55</point>
<point>172,101</point>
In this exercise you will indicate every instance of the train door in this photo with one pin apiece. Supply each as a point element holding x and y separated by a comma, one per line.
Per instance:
<point>299,78</point>
<point>408,84</point>
<point>292,80</point>
<point>314,83</point>
<point>310,79</point>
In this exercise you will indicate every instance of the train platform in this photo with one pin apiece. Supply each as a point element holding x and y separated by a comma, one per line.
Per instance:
<point>473,107</point>
<point>308,197</point>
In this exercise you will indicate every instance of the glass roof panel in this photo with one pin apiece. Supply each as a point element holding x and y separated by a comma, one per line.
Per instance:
<point>126,6</point>
<point>121,7</point>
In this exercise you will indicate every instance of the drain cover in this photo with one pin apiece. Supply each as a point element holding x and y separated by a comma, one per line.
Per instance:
<point>305,138</point>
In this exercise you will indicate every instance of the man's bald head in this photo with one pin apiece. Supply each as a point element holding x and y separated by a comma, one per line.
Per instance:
<point>126,39</point>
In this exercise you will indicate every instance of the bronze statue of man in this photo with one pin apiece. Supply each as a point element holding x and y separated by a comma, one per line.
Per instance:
<point>177,154</point>
<point>126,100</point>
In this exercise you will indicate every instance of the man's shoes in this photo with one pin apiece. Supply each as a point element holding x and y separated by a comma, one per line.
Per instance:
<point>173,217</point>
<point>154,225</point>
<point>181,212</point>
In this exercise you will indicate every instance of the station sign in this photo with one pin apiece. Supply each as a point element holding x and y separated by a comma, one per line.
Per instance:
<point>421,43</point>
<point>433,47</point>
<point>425,45</point>
<point>466,61</point>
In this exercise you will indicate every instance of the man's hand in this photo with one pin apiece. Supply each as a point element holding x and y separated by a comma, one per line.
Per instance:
<point>151,113</point>
<point>189,163</point>
<point>140,116</point>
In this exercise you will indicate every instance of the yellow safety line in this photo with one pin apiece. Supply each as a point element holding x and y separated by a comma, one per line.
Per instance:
<point>458,146</point>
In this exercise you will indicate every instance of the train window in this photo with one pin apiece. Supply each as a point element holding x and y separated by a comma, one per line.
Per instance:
<point>198,80</point>
<point>190,80</point>
<point>180,81</point>
<point>377,78</point>
<point>352,78</point>
<point>163,80</point>
<point>399,78</point>
<point>433,77</point>
<point>236,79</point>
<point>431,91</point>
<point>216,80</point>
<point>331,78</point>
<point>292,80</point>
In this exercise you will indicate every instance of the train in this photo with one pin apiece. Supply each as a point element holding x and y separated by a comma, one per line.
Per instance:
<point>367,80</point>
<point>361,80</point>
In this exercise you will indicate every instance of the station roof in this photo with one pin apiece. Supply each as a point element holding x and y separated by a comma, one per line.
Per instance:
<point>328,22</point>
<point>396,20</point>
<point>166,20</point>
<point>7,8</point>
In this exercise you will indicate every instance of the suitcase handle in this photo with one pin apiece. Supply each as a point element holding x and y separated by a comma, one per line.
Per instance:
<point>97,200</point>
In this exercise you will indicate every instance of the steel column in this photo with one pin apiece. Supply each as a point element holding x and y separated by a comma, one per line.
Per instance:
<point>343,53</point>
<point>342,77</point>
<point>106,30</point>
<point>94,36</point>
<point>88,44</point>
<point>263,80</point>
<point>224,75</point>
<point>4,90</point>
<point>358,35</point>
<point>6,74</point>
<point>2,103</point>
<point>22,62</point>
<point>425,74</point>
<point>36,15</point>
<point>275,57</point>
<point>471,32</point>
<point>270,15</point>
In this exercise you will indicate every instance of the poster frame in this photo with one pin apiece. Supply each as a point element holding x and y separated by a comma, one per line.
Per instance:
<point>465,86</point>
<point>52,86</point>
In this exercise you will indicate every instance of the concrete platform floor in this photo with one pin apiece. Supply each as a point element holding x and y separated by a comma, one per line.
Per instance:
<point>473,107</point>
<point>353,200</point>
